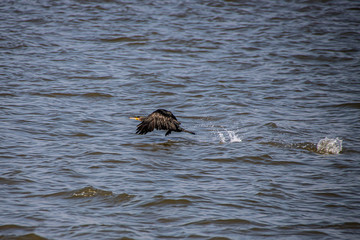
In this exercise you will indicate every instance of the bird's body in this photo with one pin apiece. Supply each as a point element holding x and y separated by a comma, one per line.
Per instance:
<point>161,119</point>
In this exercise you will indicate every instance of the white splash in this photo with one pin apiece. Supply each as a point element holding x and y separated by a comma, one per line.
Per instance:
<point>233,137</point>
<point>228,136</point>
<point>329,146</point>
<point>222,137</point>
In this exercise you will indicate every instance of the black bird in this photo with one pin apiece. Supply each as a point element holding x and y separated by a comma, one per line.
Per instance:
<point>161,119</point>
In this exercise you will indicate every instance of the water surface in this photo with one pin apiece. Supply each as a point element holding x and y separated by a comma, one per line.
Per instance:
<point>260,82</point>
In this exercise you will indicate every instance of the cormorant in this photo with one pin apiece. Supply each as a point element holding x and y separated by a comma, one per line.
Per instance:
<point>161,119</point>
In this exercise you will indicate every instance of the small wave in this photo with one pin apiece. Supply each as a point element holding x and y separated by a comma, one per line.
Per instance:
<point>230,221</point>
<point>124,39</point>
<point>15,227</point>
<point>63,94</point>
<point>354,105</point>
<point>167,201</point>
<point>80,134</point>
<point>26,236</point>
<point>12,231</point>
<point>329,146</point>
<point>96,95</point>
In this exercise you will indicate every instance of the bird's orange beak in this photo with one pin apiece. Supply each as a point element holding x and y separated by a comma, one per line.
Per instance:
<point>135,118</point>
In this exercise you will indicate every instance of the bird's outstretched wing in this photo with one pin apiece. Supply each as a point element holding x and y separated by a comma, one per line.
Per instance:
<point>160,120</point>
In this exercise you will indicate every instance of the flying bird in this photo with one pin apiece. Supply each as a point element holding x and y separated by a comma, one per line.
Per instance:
<point>161,119</point>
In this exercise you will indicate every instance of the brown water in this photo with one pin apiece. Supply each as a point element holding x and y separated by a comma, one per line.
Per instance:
<point>260,82</point>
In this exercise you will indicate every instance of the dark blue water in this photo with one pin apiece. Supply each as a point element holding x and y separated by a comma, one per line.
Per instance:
<point>271,89</point>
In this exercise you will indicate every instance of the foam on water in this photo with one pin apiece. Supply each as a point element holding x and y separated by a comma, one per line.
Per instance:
<point>329,146</point>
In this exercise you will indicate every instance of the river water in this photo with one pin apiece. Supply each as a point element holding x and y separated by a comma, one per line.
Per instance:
<point>271,88</point>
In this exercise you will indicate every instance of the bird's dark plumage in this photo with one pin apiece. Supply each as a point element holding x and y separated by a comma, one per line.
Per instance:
<point>161,119</point>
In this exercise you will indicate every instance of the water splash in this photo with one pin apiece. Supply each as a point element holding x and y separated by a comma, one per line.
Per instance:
<point>329,146</point>
<point>233,137</point>
<point>227,136</point>
<point>221,136</point>
<point>90,192</point>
